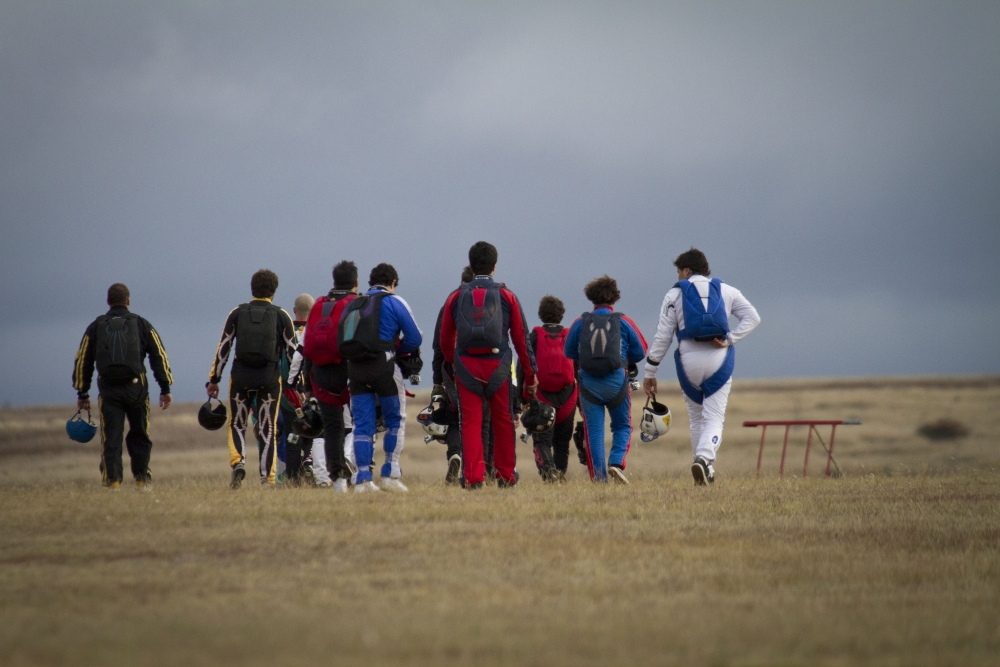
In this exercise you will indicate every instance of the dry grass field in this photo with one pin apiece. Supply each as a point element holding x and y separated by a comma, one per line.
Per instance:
<point>897,562</point>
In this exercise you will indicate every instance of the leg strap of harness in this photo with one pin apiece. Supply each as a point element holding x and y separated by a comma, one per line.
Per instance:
<point>476,386</point>
<point>689,389</point>
<point>712,384</point>
<point>613,403</point>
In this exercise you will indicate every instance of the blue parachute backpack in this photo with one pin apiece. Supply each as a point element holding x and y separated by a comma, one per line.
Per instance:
<point>701,323</point>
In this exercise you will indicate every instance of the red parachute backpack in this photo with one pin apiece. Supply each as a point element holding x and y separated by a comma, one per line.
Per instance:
<point>555,371</point>
<point>321,330</point>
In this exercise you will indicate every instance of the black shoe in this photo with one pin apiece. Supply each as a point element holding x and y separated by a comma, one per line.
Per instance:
<point>549,475</point>
<point>699,470</point>
<point>504,484</point>
<point>454,469</point>
<point>473,487</point>
<point>238,474</point>
<point>617,475</point>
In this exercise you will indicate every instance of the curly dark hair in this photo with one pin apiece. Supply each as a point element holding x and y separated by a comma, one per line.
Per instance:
<point>345,275</point>
<point>118,295</point>
<point>383,274</point>
<point>468,274</point>
<point>264,284</point>
<point>695,260</point>
<point>483,258</point>
<point>602,291</point>
<point>551,310</point>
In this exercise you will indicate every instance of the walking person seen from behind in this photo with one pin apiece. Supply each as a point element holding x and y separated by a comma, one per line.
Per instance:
<point>374,328</point>
<point>118,343</point>
<point>697,310</point>
<point>481,321</point>
<point>607,346</point>
<point>261,334</point>
<point>556,386</point>
<point>327,371</point>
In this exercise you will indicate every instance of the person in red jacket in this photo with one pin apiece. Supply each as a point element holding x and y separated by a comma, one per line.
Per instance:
<point>480,322</point>
<point>556,386</point>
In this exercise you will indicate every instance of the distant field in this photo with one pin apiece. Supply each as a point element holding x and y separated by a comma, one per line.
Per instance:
<point>33,441</point>
<point>896,562</point>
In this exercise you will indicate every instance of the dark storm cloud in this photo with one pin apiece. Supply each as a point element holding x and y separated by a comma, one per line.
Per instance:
<point>840,164</point>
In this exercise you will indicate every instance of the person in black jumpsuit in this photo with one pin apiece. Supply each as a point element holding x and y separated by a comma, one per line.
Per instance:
<point>255,381</point>
<point>118,343</point>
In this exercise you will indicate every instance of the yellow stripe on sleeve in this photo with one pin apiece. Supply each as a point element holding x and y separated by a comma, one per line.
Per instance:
<point>163,355</point>
<point>81,354</point>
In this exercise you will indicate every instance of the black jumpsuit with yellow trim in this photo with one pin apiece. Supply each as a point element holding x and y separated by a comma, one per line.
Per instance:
<point>253,390</point>
<point>123,399</point>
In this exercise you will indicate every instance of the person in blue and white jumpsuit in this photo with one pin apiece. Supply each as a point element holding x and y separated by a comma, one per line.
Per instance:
<point>382,381</point>
<point>704,367</point>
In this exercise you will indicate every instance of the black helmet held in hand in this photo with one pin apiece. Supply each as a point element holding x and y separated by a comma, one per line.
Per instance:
<point>212,418</point>
<point>308,421</point>
<point>538,417</point>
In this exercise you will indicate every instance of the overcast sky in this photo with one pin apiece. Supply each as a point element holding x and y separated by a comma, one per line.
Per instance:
<point>838,162</point>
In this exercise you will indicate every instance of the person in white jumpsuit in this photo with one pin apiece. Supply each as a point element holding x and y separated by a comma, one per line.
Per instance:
<point>701,361</point>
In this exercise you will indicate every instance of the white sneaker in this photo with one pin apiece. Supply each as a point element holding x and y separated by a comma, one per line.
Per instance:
<point>324,484</point>
<point>366,487</point>
<point>617,475</point>
<point>340,486</point>
<point>393,484</point>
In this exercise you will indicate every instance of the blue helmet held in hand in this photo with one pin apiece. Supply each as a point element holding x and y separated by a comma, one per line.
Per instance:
<point>79,430</point>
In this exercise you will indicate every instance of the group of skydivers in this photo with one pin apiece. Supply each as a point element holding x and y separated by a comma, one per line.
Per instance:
<point>317,391</point>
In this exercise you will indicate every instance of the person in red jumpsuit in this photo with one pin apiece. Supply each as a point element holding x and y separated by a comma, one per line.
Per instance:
<point>481,321</point>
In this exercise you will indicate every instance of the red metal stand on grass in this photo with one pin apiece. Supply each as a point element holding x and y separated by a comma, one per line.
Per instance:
<point>812,424</point>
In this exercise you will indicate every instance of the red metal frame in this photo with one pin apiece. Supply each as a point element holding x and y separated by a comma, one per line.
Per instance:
<point>788,424</point>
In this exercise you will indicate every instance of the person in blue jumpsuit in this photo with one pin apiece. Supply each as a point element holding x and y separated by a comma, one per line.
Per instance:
<point>604,378</point>
<point>380,380</point>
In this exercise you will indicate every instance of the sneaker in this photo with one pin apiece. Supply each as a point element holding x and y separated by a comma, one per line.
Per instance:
<point>617,475</point>
<point>366,487</point>
<point>550,475</point>
<point>504,484</point>
<point>473,487</point>
<point>699,470</point>
<point>143,485</point>
<point>324,484</point>
<point>340,486</point>
<point>114,486</point>
<point>238,475</point>
<point>454,469</point>
<point>711,474</point>
<point>393,484</point>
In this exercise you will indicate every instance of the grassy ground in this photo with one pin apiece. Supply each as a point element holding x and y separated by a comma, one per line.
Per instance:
<point>897,562</point>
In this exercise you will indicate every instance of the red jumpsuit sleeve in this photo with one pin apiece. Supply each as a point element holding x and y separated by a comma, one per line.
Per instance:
<point>519,336</point>
<point>448,330</point>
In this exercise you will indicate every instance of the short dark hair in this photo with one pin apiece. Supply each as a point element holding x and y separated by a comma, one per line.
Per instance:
<point>345,275</point>
<point>264,284</point>
<point>551,310</point>
<point>118,295</point>
<point>483,258</point>
<point>383,274</point>
<point>695,260</point>
<point>468,274</point>
<point>602,291</point>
